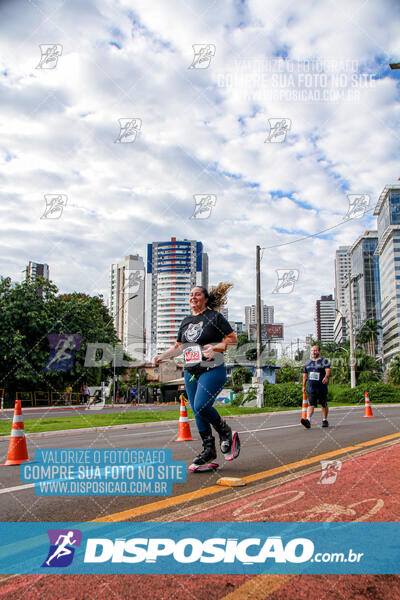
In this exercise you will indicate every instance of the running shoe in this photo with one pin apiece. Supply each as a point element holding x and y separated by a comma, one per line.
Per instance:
<point>306,423</point>
<point>225,437</point>
<point>235,449</point>
<point>208,454</point>
<point>325,423</point>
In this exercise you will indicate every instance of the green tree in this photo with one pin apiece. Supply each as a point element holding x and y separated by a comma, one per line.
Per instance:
<point>251,353</point>
<point>29,312</point>
<point>367,367</point>
<point>240,375</point>
<point>394,370</point>
<point>287,373</point>
<point>367,336</point>
<point>242,339</point>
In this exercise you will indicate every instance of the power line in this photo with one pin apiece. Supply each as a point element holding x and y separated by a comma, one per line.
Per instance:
<point>314,234</point>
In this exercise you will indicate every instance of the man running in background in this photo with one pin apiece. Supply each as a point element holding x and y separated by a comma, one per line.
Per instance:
<point>317,370</point>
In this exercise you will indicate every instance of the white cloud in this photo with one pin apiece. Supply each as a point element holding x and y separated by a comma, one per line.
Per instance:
<point>203,131</point>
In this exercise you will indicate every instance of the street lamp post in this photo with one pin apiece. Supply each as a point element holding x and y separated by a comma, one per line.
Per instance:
<point>260,386</point>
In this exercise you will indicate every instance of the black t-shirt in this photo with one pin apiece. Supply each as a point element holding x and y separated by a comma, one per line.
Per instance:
<point>209,327</point>
<point>316,371</point>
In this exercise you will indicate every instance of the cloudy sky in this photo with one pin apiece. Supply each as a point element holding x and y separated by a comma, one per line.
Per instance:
<point>200,88</point>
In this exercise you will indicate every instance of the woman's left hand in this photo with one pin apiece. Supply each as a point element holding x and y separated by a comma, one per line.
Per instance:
<point>208,351</point>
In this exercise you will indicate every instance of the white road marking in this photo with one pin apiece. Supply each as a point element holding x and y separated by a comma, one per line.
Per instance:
<point>17,488</point>
<point>164,432</point>
<point>269,428</point>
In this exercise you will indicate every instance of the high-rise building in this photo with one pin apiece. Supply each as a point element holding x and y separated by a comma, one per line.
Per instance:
<point>237,326</point>
<point>340,329</point>
<point>224,312</point>
<point>34,269</point>
<point>325,318</point>
<point>342,268</point>
<point>366,289</point>
<point>173,268</point>
<point>250,316</point>
<point>126,303</point>
<point>388,212</point>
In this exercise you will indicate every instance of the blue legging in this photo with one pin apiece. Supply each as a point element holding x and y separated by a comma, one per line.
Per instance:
<point>202,391</point>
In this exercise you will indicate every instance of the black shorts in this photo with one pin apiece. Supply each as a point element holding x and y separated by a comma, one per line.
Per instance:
<point>315,397</point>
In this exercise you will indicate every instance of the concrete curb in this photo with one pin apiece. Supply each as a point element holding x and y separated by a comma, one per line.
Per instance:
<point>62,432</point>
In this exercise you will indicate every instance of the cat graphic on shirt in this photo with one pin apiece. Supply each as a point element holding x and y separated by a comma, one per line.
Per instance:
<point>194,331</point>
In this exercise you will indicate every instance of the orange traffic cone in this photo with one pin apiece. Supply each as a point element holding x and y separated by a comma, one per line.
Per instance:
<point>304,407</point>
<point>17,450</point>
<point>368,409</point>
<point>184,434</point>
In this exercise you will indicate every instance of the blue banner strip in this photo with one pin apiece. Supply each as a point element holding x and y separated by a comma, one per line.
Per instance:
<point>200,548</point>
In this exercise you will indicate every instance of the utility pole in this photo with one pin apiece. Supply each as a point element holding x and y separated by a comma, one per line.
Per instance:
<point>260,387</point>
<point>352,360</point>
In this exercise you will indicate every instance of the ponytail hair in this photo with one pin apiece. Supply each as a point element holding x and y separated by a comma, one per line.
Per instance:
<point>216,298</point>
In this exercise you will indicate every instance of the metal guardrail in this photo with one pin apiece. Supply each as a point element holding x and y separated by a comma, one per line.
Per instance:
<point>25,397</point>
<point>36,398</point>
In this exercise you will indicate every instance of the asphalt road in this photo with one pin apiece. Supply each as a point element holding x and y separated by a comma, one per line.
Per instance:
<point>268,441</point>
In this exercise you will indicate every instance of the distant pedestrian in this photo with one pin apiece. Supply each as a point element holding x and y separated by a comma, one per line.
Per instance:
<point>317,370</point>
<point>132,394</point>
<point>85,394</point>
<point>68,395</point>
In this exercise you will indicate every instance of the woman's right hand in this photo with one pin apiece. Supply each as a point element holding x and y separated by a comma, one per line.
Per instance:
<point>156,360</point>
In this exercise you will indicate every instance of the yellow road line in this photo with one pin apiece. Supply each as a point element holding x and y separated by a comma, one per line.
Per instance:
<point>160,505</point>
<point>139,511</point>
<point>313,459</point>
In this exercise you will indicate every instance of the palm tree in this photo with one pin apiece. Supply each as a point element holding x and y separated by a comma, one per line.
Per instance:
<point>367,336</point>
<point>394,370</point>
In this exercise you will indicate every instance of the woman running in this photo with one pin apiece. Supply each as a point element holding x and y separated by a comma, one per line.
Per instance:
<point>202,338</point>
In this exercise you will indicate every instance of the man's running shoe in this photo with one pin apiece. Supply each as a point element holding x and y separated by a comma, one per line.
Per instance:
<point>306,423</point>
<point>325,423</point>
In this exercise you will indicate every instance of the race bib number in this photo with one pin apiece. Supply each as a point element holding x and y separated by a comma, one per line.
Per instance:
<point>314,376</point>
<point>192,355</point>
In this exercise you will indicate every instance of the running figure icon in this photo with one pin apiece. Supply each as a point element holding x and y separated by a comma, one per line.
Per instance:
<point>62,549</point>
